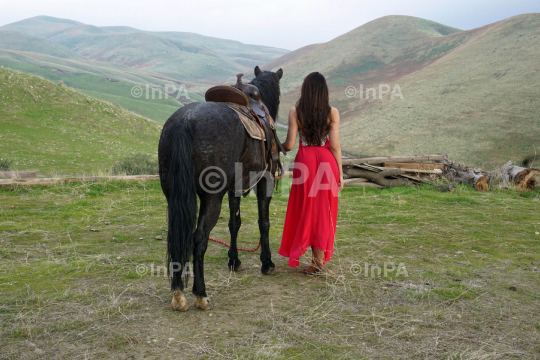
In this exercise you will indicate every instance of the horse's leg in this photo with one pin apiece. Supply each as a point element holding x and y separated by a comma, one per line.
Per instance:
<point>264,196</point>
<point>208,217</point>
<point>234,225</point>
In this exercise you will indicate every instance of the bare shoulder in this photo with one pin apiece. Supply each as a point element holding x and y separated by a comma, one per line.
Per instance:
<point>335,115</point>
<point>293,111</point>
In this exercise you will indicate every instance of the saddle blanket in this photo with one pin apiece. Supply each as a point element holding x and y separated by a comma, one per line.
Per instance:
<point>249,121</point>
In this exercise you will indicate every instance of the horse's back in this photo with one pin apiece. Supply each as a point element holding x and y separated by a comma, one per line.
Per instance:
<point>218,135</point>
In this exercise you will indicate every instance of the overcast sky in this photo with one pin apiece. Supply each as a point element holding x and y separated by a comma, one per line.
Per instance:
<point>287,24</point>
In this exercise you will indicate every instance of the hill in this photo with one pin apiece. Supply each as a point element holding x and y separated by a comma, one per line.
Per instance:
<point>183,56</point>
<point>472,94</point>
<point>14,40</point>
<point>57,130</point>
<point>282,60</point>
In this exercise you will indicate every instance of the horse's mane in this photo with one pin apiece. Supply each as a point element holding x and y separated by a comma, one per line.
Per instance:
<point>268,84</point>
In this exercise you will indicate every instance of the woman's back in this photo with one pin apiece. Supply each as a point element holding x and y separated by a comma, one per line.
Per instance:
<point>317,176</point>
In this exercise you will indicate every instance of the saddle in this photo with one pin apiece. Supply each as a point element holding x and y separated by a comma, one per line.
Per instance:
<point>244,99</point>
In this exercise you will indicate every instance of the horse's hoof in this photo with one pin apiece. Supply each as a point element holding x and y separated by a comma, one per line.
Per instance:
<point>203,303</point>
<point>268,270</point>
<point>179,301</point>
<point>236,265</point>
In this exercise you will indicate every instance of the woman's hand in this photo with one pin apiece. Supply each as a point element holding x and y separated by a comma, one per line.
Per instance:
<point>341,182</point>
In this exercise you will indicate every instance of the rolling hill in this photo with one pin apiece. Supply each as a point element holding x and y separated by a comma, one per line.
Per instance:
<point>183,56</point>
<point>472,94</point>
<point>57,130</point>
<point>14,40</point>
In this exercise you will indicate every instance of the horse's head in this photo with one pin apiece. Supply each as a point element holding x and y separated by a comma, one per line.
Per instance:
<point>268,84</point>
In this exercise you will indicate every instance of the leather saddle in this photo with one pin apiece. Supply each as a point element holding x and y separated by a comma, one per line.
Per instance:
<point>244,99</point>
<point>241,94</point>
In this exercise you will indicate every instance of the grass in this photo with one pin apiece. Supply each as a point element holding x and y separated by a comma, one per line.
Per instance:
<point>90,80</point>
<point>5,164</point>
<point>76,279</point>
<point>138,164</point>
<point>57,130</point>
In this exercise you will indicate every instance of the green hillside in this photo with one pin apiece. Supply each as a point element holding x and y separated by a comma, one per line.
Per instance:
<point>173,58</point>
<point>106,81</point>
<point>368,48</point>
<point>14,40</point>
<point>56,130</point>
<point>472,94</point>
<point>183,56</point>
<point>479,103</point>
<point>41,26</point>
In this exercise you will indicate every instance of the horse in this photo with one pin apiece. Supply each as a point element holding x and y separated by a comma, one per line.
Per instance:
<point>206,141</point>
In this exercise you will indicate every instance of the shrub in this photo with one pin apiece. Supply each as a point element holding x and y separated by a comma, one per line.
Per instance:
<point>5,164</point>
<point>138,164</point>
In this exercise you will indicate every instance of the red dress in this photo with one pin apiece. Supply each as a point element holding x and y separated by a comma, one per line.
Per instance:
<point>313,203</point>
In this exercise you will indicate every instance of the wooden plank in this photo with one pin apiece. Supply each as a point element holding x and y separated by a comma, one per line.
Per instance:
<point>397,158</point>
<point>354,180</point>
<point>420,166</point>
<point>18,174</point>
<point>419,179</point>
<point>436,171</point>
<point>52,181</point>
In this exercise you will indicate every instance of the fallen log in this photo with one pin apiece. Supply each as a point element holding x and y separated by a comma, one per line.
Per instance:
<point>522,178</point>
<point>354,180</point>
<point>18,174</point>
<point>478,181</point>
<point>495,176</point>
<point>417,166</point>
<point>465,175</point>
<point>381,178</point>
<point>419,171</point>
<point>397,158</point>
<point>52,181</point>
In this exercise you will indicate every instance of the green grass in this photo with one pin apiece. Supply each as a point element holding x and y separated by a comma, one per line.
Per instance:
<point>57,130</point>
<point>118,93</point>
<point>67,289</point>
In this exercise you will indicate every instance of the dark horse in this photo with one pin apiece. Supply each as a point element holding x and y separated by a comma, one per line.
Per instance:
<point>200,148</point>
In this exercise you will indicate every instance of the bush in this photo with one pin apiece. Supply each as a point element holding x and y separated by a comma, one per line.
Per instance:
<point>5,165</point>
<point>138,164</point>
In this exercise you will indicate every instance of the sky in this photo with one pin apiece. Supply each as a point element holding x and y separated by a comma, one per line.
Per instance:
<point>286,24</point>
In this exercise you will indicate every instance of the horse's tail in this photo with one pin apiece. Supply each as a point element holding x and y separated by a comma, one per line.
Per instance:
<point>182,204</point>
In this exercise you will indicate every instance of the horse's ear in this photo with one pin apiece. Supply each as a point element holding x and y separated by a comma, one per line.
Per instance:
<point>257,71</point>
<point>279,73</point>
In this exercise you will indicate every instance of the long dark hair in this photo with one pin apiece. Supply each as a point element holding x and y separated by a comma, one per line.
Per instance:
<point>313,109</point>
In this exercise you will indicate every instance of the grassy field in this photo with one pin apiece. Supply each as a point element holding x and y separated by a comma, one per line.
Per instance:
<point>73,282</point>
<point>59,131</point>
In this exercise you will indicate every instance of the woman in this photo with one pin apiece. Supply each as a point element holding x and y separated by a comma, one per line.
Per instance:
<point>317,177</point>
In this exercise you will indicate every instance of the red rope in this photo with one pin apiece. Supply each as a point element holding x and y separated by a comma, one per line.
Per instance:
<point>224,243</point>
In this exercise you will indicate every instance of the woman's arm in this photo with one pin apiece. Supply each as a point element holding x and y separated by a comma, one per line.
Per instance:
<point>288,145</point>
<point>335,148</point>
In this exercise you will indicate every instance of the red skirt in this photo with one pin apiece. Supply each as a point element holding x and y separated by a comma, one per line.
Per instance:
<point>313,204</point>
